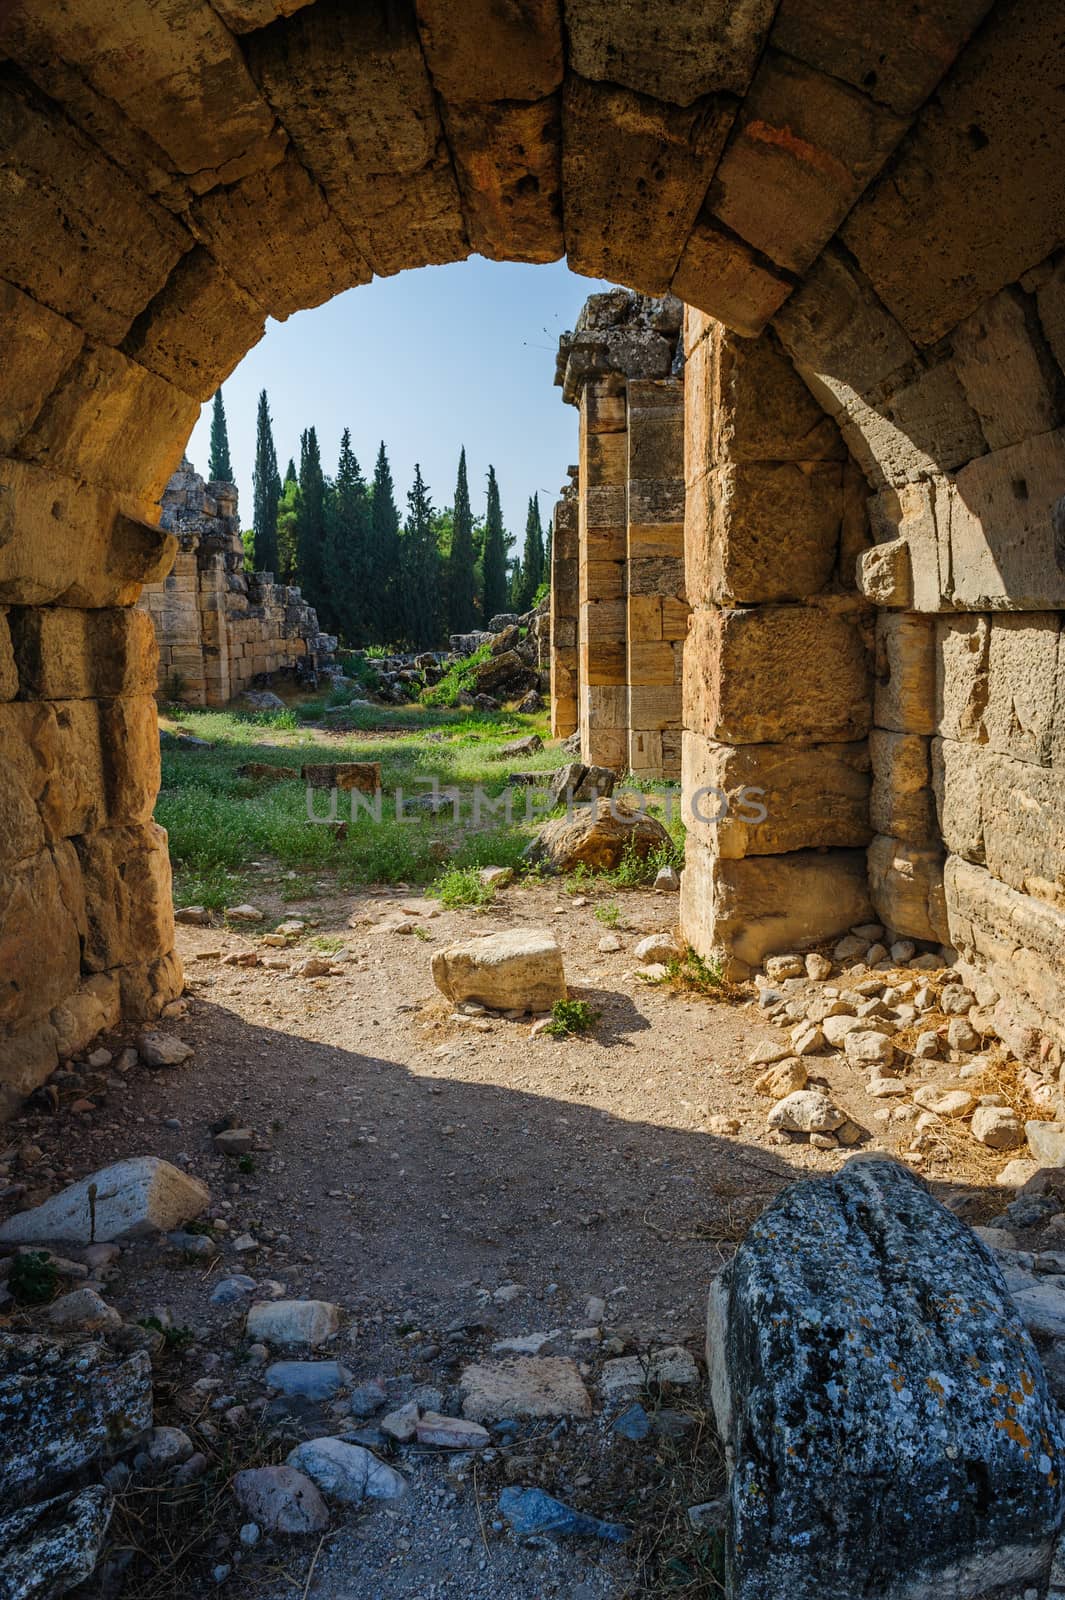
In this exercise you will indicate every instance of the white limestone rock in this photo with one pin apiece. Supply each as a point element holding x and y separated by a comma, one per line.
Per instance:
<point>347,1472</point>
<point>281,1500</point>
<point>293,1321</point>
<point>520,969</point>
<point>532,1386</point>
<point>134,1197</point>
<point>806,1111</point>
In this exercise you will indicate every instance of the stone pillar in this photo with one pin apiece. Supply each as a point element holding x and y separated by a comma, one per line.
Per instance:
<point>656,605</point>
<point>777,682</point>
<point>564,609</point>
<point>621,340</point>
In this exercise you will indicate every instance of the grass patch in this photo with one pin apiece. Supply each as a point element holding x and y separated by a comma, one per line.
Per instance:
<point>696,974</point>
<point>462,886</point>
<point>572,1017</point>
<point>608,912</point>
<point>460,678</point>
<point>327,943</point>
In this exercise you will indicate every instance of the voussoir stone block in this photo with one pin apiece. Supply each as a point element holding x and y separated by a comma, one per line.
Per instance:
<point>888,1425</point>
<point>773,673</point>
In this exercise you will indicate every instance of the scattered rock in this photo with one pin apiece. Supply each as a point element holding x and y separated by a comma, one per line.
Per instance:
<point>312,1380</point>
<point>533,1511</point>
<point>244,913</point>
<point>293,1321</point>
<point>961,1035</point>
<point>807,1038</point>
<point>1015,1174</point>
<point>926,1045</point>
<point>783,1079</point>
<point>234,1141</point>
<point>228,1291</point>
<point>134,1197</point>
<point>778,968</point>
<point>997,1127</point>
<point>723,1126</point>
<point>519,969</point>
<point>657,947</point>
<point>806,1111</point>
<point>347,1472</point>
<point>766,1054</point>
<point>941,1102</point>
<point>609,943</point>
<point>535,1386</point>
<point>626,1376</point>
<point>52,1547</point>
<point>82,1309</point>
<point>598,842</point>
<point>521,747</point>
<point>869,1048</point>
<point>451,1433</point>
<point>162,1049</point>
<point>836,1029</point>
<point>281,1500</point>
<point>818,967</point>
<point>401,1424</point>
<point>1046,1141</point>
<point>167,1447</point>
<point>496,877</point>
<point>368,1398</point>
<point>667,881</point>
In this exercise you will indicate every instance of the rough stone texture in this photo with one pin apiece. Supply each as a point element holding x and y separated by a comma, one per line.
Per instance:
<point>281,1500</point>
<point>347,1472</point>
<point>52,1547</point>
<point>63,1406</point>
<point>1018,939</point>
<point>811,797</point>
<point>293,1321</point>
<point>873,1382</point>
<point>906,888</point>
<point>521,969</point>
<point>133,1197</point>
<point>596,841</point>
<point>537,1386</point>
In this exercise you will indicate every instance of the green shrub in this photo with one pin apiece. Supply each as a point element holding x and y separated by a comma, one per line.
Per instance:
<point>461,886</point>
<point>33,1279</point>
<point>569,1017</point>
<point>460,677</point>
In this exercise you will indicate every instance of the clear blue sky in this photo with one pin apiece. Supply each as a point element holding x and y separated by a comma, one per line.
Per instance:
<point>428,361</point>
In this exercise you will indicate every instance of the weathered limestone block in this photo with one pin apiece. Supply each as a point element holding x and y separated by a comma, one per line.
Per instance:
<point>906,887</point>
<point>775,673</point>
<point>53,1546</point>
<point>598,841</point>
<point>127,1200</point>
<point>8,670</point>
<point>508,161</point>
<point>884,574</point>
<point>919,515</point>
<point>62,188</point>
<point>963,646</point>
<point>721,275</point>
<point>754,907</point>
<point>1008,815</point>
<point>855,1342</point>
<point>1014,937</point>
<point>1023,662</point>
<point>73,545</point>
<point>635,171</point>
<point>67,654</point>
<point>490,51</point>
<point>812,797</point>
<point>671,53</point>
<point>958,776</point>
<point>362,775</point>
<point>982,208</point>
<point>129,736</point>
<point>762,531</point>
<point>94,1006</point>
<point>521,968</point>
<point>351,88</point>
<point>126,883</point>
<point>278,238</point>
<point>36,347</point>
<point>804,148</point>
<point>1006,371</point>
<point>42,919</point>
<point>1005,553</point>
<point>835,329</point>
<point>904,698</point>
<point>62,1407</point>
<point>51,758</point>
<point>901,801</point>
<point>744,402</point>
<point>198,327</point>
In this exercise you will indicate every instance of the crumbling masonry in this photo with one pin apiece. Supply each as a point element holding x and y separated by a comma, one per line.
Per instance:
<point>876,200</point>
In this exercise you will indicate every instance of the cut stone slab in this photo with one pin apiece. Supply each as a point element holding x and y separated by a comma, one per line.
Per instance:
<point>525,1386</point>
<point>50,1548</point>
<point>520,969</point>
<point>628,1375</point>
<point>134,1197</point>
<point>855,1342</point>
<point>313,1380</point>
<point>347,1472</point>
<point>293,1321</point>
<point>281,1500</point>
<point>63,1406</point>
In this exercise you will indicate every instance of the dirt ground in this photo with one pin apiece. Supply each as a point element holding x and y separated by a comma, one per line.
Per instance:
<point>412,1165</point>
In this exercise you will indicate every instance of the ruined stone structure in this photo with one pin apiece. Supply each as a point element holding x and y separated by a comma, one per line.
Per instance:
<point>217,627</point>
<point>621,369</point>
<point>885,187</point>
<point>564,603</point>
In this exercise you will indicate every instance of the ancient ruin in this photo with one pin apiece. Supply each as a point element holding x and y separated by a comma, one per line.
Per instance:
<point>218,628</point>
<point>813,549</point>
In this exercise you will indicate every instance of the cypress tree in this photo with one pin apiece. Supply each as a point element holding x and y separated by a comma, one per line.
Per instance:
<point>420,569</point>
<point>310,524</point>
<point>288,517</point>
<point>266,491</point>
<point>495,553</point>
<point>383,585</point>
<point>347,540</point>
<point>462,613</point>
<point>532,560</point>
<point>290,471</point>
<point>218,462</point>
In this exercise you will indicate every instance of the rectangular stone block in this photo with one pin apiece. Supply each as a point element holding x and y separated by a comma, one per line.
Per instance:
<point>1007,371</point>
<point>906,886</point>
<point>651,662</point>
<point>129,918</point>
<point>1004,553</point>
<point>36,347</point>
<point>508,161</point>
<point>724,278</point>
<point>904,698</point>
<point>488,51</point>
<point>776,673</point>
<point>604,405</point>
<point>42,919</point>
<point>958,776</point>
<point>963,647</point>
<point>656,575</point>
<point>604,459</point>
<point>602,581</point>
<point>1023,666</point>
<point>645,753</point>
<point>815,797</point>
<point>921,514</point>
<point>650,533</point>
<point>1016,939</point>
<point>901,801</point>
<point>196,330</point>
<point>655,707</point>
<point>67,654</point>
<point>761,905</point>
<point>760,531</point>
<point>129,729</point>
<point>1004,814</point>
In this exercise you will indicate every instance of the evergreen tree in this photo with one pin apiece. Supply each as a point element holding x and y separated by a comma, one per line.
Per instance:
<point>495,553</point>
<point>288,515</point>
<point>218,462</point>
<point>383,582</point>
<point>462,614</point>
<point>420,569</point>
<point>266,491</point>
<point>310,524</point>
<point>549,533</point>
<point>347,541</point>
<point>532,560</point>
<point>290,472</point>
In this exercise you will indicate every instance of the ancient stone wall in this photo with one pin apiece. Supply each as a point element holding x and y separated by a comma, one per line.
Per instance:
<point>218,627</point>
<point>623,370</point>
<point>564,602</point>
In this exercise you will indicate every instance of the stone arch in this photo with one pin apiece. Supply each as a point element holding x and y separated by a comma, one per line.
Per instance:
<point>174,173</point>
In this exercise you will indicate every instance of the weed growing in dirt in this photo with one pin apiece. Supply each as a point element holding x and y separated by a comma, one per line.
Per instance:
<point>173,1337</point>
<point>693,972</point>
<point>608,912</point>
<point>462,886</point>
<point>569,1017</point>
<point>33,1279</point>
<point>328,943</point>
